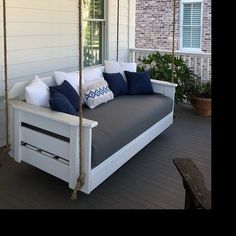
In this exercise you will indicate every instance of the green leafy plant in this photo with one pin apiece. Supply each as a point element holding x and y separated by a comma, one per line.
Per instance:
<point>200,89</point>
<point>160,68</point>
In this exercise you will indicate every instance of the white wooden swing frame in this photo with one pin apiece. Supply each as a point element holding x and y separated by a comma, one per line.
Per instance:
<point>68,126</point>
<point>60,155</point>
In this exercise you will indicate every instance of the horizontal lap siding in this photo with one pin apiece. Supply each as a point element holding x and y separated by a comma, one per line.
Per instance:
<point>42,38</point>
<point>124,30</point>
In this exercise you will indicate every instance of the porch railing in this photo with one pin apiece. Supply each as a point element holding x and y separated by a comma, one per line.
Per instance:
<point>92,55</point>
<point>200,63</point>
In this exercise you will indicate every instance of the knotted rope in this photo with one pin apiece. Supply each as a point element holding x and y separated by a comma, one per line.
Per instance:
<point>6,148</point>
<point>80,181</point>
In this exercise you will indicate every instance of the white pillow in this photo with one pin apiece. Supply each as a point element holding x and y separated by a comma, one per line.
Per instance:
<point>96,93</point>
<point>93,74</point>
<point>37,93</point>
<point>71,77</point>
<point>120,67</point>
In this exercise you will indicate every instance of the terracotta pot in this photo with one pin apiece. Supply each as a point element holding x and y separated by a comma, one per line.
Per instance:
<point>202,106</point>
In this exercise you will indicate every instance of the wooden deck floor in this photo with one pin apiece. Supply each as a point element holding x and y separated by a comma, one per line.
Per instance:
<point>148,181</point>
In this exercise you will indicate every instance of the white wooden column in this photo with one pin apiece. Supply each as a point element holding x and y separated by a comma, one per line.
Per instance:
<point>132,23</point>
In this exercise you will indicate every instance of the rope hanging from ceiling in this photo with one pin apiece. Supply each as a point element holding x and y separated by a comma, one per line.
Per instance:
<point>6,149</point>
<point>80,181</point>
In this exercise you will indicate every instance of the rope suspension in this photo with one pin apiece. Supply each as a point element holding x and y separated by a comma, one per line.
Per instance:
<point>118,30</point>
<point>6,148</point>
<point>80,181</point>
<point>173,41</point>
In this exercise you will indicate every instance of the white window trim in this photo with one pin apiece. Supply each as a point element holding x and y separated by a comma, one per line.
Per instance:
<point>191,1</point>
<point>104,28</point>
<point>105,41</point>
<point>181,48</point>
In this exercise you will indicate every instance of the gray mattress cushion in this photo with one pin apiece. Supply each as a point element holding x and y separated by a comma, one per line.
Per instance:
<point>122,120</point>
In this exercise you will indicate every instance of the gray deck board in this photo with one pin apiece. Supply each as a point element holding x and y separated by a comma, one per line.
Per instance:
<point>148,181</point>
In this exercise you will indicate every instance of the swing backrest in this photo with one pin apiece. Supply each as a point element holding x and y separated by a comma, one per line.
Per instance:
<point>18,89</point>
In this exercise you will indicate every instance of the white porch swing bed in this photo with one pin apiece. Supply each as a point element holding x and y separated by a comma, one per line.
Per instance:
<point>50,140</point>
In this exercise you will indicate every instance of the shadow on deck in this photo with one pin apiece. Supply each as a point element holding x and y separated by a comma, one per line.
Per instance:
<point>148,181</point>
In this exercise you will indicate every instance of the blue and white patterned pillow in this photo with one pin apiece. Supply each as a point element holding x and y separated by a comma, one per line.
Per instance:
<point>96,93</point>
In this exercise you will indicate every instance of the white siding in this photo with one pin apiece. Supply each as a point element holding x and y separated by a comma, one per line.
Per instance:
<point>42,38</point>
<point>124,30</point>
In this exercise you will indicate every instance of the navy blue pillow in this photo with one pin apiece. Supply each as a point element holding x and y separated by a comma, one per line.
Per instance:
<point>116,83</point>
<point>59,102</point>
<point>67,90</point>
<point>139,83</point>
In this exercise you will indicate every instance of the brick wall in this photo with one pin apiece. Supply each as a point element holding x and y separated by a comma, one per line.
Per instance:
<point>154,24</point>
<point>206,32</point>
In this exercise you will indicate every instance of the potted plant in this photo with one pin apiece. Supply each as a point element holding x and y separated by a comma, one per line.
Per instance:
<point>200,97</point>
<point>190,87</point>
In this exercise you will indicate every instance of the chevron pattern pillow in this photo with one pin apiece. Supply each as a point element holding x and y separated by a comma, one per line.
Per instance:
<point>97,93</point>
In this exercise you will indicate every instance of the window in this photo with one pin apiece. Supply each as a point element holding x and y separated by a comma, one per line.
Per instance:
<point>94,32</point>
<point>191,25</point>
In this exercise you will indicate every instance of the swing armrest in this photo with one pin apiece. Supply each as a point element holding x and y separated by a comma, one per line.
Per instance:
<point>164,87</point>
<point>163,83</point>
<point>44,112</point>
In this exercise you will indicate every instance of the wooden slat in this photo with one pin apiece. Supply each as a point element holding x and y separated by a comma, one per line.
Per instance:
<point>42,141</point>
<point>197,194</point>
<point>195,65</point>
<point>189,60</point>
<point>52,126</point>
<point>201,67</point>
<point>47,164</point>
<point>208,68</point>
